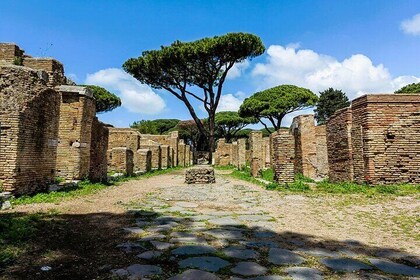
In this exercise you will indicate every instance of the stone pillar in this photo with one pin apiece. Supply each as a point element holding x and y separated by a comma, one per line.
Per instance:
<point>174,139</point>
<point>303,129</point>
<point>77,111</point>
<point>98,152</point>
<point>156,152</point>
<point>143,161</point>
<point>283,156</point>
<point>256,148</point>
<point>267,151</point>
<point>181,153</point>
<point>187,155</point>
<point>121,160</point>
<point>235,154</point>
<point>165,156</point>
<point>241,153</point>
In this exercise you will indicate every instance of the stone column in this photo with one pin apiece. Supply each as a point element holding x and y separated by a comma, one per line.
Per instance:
<point>256,147</point>
<point>241,153</point>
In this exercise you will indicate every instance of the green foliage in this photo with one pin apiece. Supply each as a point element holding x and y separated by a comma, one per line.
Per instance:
<point>230,123</point>
<point>411,88</point>
<point>302,178</point>
<point>195,70</point>
<point>105,100</point>
<point>330,100</point>
<point>18,61</point>
<point>159,126</point>
<point>267,174</point>
<point>188,130</point>
<point>275,103</point>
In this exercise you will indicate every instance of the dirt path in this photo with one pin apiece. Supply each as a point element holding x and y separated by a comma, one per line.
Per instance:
<point>348,225</point>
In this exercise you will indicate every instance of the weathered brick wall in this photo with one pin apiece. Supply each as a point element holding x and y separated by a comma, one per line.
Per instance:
<point>321,167</point>
<point>155,148</point>
<point>98,151</point>
<point>29,114</point>
<point>143,160</point>
<point>235,154</point>
<point>9,52</point>
<point>339,146</point>
<point>256,148</point>
<point>382,133</point>
<point>174,139</point>
<point>124,137</point>
<point>165,163</point>
<point>223,154</point>
<point>267,151</point>
<point>283,156</point>
<point>187,155</point>
<point>303,129</point>
<point>121,160</point>
<point>77,111</point>
<point>241,153</point>
<point>52,67</point>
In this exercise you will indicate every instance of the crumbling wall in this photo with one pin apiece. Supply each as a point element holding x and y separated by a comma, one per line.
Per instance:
<point>52,67</point>
<point>321,167</point>
<point>98,152</point>
<point>143,161</point>
<point>339,146</point>
<point>155,148</point>
<point>241,153</point>
<point>121,160</point>
<point>124,137</point>
<point>77,111</point>
<point>223,154</point>
<point>235,154</point>
<point>181,153</point>
<point>165,163</point>
<point>267,151</point>
<point>256,152</point>
<point>10,53</point>
<point>174,139</point>
<point>29,114</point>
<point>283,156</point>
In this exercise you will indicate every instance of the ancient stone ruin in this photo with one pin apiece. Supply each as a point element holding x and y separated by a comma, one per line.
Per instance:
<point>200,175</point>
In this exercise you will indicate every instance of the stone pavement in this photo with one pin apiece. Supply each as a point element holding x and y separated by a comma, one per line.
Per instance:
<point>219,231</point>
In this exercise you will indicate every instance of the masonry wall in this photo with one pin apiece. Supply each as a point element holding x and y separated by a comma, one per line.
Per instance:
<point>155,148</point>
<point>143,161</point>
<point>241,153</point>
<point>98,152</point>
<point>9,52</point>
<point>29,112</point>
<point>256,147</point>
<point>181,153</point>
<point>223,154</point>
<point>339,146</point>
<point>121,160</point>
<point>124,137</point>
<point>165,163</point>
<point>52,67</point>
<point>77,111</point>
<point>283,156</point>
<point>235,154</point>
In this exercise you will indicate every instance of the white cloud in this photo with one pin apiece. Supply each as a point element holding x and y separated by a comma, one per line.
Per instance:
<point>355,75</point>
<point>237,70</point>
<point>135,96</point>
<point>411,26</point>
<point>230,102</point>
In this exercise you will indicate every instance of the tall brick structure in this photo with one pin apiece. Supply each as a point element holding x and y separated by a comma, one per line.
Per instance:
<point>241,153</point>
<point>223,154</point>
<point>29,121</point>
<point>181,153</point>
<point>303,147</point>
<point>376,140</point>
<point>235,154</point>
<point>98,151</point>
<point>174,139</point>
<point>143,160</point>
<point>77,111</point>
<point>256,147</point>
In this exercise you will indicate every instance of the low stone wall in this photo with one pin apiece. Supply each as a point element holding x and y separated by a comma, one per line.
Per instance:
<point>98,152</point>
<point>165,162</point>
<point>143,161</point>
<point>200,175</point>
<point>155,148</point>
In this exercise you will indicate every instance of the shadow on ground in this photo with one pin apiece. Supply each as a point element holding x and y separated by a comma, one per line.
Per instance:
<point>90,246</point>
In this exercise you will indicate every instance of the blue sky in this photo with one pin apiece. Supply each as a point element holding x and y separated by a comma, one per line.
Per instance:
<point>358,46</point>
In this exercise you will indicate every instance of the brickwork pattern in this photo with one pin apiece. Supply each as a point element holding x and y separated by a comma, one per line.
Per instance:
<point>98,152</point>
<point>155,148</point>
<point>143,161</point>
<point>223,154</point>
<point>256,147</point>
<point>165,163</point>
<point>241,153</point>
<point>284,156</point>
<point>121,160</point>
<point>181,153</point>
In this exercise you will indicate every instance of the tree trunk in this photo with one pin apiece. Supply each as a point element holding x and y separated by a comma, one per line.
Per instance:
<point>211,136</point>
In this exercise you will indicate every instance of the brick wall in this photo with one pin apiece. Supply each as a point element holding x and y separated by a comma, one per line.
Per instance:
<point>321,167</point>
<point>143,160</point>
<point>29,113</point>
<point>8,52</point>
<point>77,111</point>
<point>223,154</point>
<point>339,147</point>
<point>165,163</point>
<point>385,133</point>
<point>235,154</point>
<point>241,153</point>
<point>174,139</point>
<point>121,160</point>
<point>52,67</point>
<point>181,153</point>
<point>98,152</point>
<point>256,148</point>
<point>124,137</point>
<point>155,148</point>
<point>283,156</point>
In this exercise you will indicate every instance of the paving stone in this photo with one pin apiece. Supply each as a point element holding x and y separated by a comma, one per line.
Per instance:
<point>264,234</point>
<point>267,277</point>
<point>193,250</point>
<point>212,264</point>
<point>134,230</point>
<point>395,268</point>
<point>249,269</point>
<point>345,264</point>
<point>119,273</point>
<point>254,218</point>
<point>182,234</point>
<point>260,244</point>
<point>225,221</point>
<point>186,204</point>
<point>240,253</point>
<point>140,270</point>
<point>153,237</point>
<point>148,255</point>
<point>142,224</point>
<point>284,256</point>
<point>130,247</point>
<point>318,252</point>
<point>195,274</point>
<point>225,234</point>
<point>304,273</point>
<point>161,245</point>
<point>201,217</point>
<point>142,213</point>
<point>175,209</point>
<point>167,219</point>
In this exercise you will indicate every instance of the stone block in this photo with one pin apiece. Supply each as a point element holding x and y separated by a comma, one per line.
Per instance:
<point>200,175</point>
